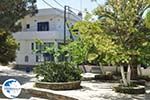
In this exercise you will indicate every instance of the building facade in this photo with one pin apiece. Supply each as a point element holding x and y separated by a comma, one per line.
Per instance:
<point>48,26</point>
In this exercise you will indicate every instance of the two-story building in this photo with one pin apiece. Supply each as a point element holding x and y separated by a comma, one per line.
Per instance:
<point>48,26</point>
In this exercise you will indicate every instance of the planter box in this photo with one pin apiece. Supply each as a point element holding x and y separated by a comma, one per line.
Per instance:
<point>59,85</point>
<point>130,90</point>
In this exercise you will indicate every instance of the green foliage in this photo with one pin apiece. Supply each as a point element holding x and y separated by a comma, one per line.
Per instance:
<point>88,16</point>
<point>10,12</point>
<point>147,20</point>
<point>77,51</point>
<point>14,10</point>
<point>93,45</point>
<point>120,36</point>
<point>8,47</point>
<point>123,20</point>
<point>58,72</point>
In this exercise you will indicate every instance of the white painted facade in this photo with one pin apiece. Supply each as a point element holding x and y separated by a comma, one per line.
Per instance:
<point>32,29</point>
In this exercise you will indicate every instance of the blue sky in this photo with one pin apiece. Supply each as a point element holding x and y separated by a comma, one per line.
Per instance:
<point>78,4</point>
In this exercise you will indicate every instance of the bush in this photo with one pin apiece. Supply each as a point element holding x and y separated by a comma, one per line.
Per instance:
<point>60,72</point>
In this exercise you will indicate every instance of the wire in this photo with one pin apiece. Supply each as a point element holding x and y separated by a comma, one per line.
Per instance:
<point>63,6</point>
<point>72,13</point>
<point>51,6</point>
<point>74,16</point>
<point>74,8</point>
<point>58,3</point>
<point>81,5</point>
<point>47,3</point>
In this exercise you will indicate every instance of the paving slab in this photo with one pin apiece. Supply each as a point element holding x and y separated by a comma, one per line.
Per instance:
<point>96,90</point>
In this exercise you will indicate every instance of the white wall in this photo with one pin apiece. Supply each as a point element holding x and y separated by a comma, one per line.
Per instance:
<point>55,22</point>
<point>28,36</point>
<point>26,50</point>
<point>54,17</point>
<point>146,72</point>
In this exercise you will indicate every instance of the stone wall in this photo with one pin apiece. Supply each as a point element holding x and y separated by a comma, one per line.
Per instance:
<point>47,95</point>
<point>58,86</point>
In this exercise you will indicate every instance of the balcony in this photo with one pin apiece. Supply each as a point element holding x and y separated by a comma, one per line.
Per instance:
<point>43,35</point>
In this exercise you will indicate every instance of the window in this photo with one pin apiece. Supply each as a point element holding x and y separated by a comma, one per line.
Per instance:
<point>37,58</point>
<point>48,57</point>
<point>18,46</point>
<point>28,26</point>
<point>43,26</point>
<point>32,46</point>
<point>26,59</point>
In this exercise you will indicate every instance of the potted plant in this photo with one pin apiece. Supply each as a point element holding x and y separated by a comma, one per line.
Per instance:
<point>58,76</point>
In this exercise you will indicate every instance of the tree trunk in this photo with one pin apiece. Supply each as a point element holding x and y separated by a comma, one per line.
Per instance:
<point>123,76</point>
<point>134,72</point>
<point>83,66</point>
<point>133,65</point>
<point>101,68</point>
<point>139,70</point>
<point>129,75</point>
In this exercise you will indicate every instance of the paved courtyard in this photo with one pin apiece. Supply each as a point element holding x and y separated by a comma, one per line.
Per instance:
<point>92,90</point>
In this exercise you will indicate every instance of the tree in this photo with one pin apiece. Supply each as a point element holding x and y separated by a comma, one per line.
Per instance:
<point>95,46</point>
<point>11,11</point>
<point>123,20</point>
<point>120,36</point>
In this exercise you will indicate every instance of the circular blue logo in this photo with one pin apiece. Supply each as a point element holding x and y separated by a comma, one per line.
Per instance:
<point>11,88</point>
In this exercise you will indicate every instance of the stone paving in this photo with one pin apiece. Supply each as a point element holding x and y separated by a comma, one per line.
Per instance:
<point>92,90</point>
<point>21,76</point>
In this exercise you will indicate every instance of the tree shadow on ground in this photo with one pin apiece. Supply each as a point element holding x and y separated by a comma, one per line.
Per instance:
<point>22,79</point>
<point>23,95</point>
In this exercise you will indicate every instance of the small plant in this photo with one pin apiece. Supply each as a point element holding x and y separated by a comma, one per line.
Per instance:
<point>57,72</point>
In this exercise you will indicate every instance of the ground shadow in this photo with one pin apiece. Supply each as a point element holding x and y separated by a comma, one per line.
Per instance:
<point>22,79</point>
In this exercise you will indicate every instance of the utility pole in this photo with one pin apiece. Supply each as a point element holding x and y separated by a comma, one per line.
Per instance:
<point>65,20</point>
<point>69,12</point>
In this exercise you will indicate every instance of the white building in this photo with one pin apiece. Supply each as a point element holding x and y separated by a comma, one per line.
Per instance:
<point>48,26</point>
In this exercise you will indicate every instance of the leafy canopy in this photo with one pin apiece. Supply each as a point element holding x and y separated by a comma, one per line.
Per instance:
<point>10,12</point>
<point>120,35</point>
<point>123,20</point>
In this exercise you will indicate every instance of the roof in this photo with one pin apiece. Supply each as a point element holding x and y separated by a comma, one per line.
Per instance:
<point>50,11</point>
<point>55,12</point>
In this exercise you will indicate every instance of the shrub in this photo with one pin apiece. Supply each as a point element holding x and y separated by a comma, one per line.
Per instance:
<point>57,72</point>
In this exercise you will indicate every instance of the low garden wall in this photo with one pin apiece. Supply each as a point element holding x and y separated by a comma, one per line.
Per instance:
<point>47,94</point>
<point>145,72</point>
<point>59,86</point>
<point>129,90</point>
